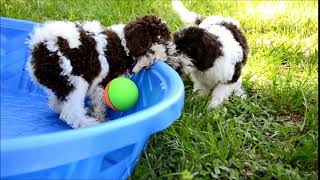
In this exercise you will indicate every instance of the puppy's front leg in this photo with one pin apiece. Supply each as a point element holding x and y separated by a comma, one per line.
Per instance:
<point>221,92</point>
<point>54,103</point>
<point>199,85</point>
<point>200,88</point>
<point>238,90</point>
<point>73,111</point>
<point>98,104</point>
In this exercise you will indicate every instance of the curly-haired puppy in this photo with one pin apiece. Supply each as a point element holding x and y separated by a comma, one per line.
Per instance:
<point>212,50</point>
<point>73,60</point>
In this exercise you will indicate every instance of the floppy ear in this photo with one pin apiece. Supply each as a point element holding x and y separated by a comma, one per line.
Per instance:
<point>159,30</point>
<point>141,33</point>
<point>210,51</point>
<point>202,47</point>
<point>138,38</point>
<point>206,50</point>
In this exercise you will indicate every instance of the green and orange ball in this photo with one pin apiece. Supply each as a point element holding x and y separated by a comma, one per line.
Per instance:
<point>121,94</point>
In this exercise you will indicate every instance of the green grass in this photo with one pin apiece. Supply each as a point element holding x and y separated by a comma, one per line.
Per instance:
<point>272,134</point>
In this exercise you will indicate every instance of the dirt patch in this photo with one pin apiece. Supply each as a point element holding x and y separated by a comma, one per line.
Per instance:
<point>296,116</point>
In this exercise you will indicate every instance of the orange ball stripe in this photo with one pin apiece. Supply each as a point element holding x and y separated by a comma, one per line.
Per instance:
<point>107,99</point>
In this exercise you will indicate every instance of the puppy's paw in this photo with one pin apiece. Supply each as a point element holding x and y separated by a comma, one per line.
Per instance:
<point>243,96</point>
<point>240,93</point>
<point>88,110</point>
<point>215,103</point>
<point>79,121</point>
<point>201,92</point>
<point>88,122</point>
<point>100,116</point>
<point>99,110</point>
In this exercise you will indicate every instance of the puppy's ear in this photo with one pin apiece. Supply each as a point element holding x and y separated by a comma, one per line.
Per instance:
<point>158,29</point>
<point>138,38</point>
<point>202,47</point>
<point>210,51</point>
<point>145,31</point>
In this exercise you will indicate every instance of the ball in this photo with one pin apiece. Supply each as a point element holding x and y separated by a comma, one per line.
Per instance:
<point>121,94</point>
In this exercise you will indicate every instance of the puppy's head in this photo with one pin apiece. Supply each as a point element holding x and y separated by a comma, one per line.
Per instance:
<point>143,32</point>
<point>201,46</point>
<point>157,51</point>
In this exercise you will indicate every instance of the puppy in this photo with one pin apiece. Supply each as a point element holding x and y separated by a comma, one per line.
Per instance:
<point>72,61</point>
<point>212,50</point>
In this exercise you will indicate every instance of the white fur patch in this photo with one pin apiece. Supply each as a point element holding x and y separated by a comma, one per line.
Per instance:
<point>100,47</point>
<point>223,91</point>
<point>54,103</point>
<point>31,70</point>
<point>53,29</point>
<point>217,20</point>
<point>159,52</point>
<point>220,93</point>
<point>119,29</point>
<point>185,15</point>
<point>178,60</point>
<point>92,26</point>
<point>167,53</point>
<point>64,62</point>
<point>73,111</point>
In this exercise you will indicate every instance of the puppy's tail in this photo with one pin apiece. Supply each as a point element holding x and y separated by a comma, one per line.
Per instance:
<point>185,15</point>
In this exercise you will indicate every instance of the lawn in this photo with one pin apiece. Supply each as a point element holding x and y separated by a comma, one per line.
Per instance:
<point>272,134</point>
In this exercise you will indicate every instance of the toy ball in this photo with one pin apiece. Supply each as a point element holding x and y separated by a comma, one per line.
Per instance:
<point>121,94</point>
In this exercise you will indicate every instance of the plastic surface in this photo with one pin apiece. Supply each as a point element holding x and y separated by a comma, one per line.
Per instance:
<point>35,144</point>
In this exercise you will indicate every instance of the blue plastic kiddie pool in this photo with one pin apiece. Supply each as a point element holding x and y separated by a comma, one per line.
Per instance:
<point>35,144</point>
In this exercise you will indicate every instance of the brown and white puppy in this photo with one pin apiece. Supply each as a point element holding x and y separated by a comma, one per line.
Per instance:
<point>212,50</point>
<point>73,60</point>
<point>218,50</point>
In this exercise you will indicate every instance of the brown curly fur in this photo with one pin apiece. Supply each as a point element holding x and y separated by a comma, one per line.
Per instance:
<point>203,47</point>
<point>48,72</point>
<point>143,32</point>
<point>84,59</point>
<point>118,61</point>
